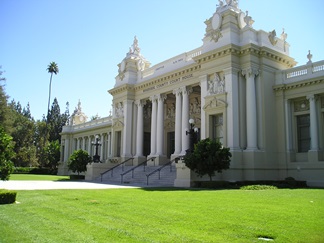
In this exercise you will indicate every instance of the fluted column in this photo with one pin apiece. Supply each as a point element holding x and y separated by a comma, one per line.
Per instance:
<point>178,122</point>
<point>78,143</point>
<point>153,125</point>
<point>89,146</point>
<point>139,128</point>
<point>289,133</point>
<point>109,145</point>
<point>127,133</point>
<point>203,88</point>
<point>185,118</point>
<point>313,123</point>
<point>160,125</point>
<point>101,147</point>
<point>251,108</point>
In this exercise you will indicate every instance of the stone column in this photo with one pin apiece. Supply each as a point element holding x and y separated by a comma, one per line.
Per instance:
<point>232,89</point>
<point>289,137</point>
<point>160,126</point>
<point>153,125</point>
<point>101,147</point>
<point>127,140</point>
<point>204,89</point>
<point>313,123</point>
<point>89,146</point>
<point>178,122</point>
<point>139,128</point>
<point>66,150</point>
<point>109,145</point>
<point>78,143</point>
<point>251,109</point>
<point>185,118</point>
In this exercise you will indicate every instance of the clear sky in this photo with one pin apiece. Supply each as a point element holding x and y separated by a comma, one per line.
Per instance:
<point>88,38</point>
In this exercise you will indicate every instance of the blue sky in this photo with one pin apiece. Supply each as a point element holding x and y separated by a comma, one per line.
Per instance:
<point>88,38</point>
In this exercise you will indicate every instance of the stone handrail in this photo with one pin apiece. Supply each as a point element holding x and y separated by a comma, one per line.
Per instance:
<point>301,73</point>
<point>97,122</point>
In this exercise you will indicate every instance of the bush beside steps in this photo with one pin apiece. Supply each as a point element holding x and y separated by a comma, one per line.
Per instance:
<point>7,197</point>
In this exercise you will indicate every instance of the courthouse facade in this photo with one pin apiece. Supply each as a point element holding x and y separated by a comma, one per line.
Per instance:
<point>240,87</point>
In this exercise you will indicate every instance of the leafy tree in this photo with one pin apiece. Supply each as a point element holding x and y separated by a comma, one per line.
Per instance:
<point>78,161</point>
<point>208,157</point>
<point>4,109</point>
<point>23,133</point>
<point>6,155</point>
<point>56,120</point>
<point>52,152</point>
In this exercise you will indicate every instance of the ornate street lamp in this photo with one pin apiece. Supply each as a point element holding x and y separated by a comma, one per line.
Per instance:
<point>96,157</point>
<point>193,135</point>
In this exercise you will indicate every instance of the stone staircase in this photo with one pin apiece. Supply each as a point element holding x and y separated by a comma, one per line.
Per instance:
<point>138,177</point>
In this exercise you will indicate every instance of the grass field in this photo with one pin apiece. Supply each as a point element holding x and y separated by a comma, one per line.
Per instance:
<point>32,177</point>
<point>163,215</point>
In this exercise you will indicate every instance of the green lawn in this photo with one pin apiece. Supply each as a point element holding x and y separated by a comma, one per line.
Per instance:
<point>32,177</point>
<point>157,215</point>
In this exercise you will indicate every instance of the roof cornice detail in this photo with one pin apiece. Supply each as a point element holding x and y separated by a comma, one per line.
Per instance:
<point>120,89</point>
<point>296,85</point>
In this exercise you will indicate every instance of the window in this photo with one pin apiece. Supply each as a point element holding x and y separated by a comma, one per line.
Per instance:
<point>303,133</point>
<point>217,127</point>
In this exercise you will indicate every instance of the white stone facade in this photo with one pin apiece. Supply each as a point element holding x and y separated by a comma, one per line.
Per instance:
<point>240,87</point>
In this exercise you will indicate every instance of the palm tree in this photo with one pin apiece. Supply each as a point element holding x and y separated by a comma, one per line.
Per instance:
<point>52,68</point>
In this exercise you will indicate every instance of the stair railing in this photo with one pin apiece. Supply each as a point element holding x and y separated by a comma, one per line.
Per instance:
<point>135,167</point>
<point>160,168</point>
<point>112,168</point>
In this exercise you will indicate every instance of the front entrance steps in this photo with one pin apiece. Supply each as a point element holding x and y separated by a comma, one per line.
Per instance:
<point>138,177</point>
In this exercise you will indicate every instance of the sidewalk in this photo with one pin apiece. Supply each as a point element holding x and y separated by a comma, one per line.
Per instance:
<point>52,185</point>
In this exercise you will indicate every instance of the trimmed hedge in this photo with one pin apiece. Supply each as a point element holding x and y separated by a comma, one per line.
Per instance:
<point>35,170</point>
<point>7,197</point>
<point>287,183</point>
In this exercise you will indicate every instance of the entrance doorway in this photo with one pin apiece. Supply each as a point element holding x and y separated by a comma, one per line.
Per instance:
<point>147,144</point>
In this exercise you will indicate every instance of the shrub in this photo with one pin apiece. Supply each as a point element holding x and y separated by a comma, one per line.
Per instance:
<point>78,161</point>
<point>208,157</point>
<point>258,187</point>
<point>7,197</point>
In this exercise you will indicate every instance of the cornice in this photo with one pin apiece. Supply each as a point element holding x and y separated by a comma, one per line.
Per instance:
<point>250,49</point>
<point>301,84</point>
<point>167,77</point>
<point>120,89</point>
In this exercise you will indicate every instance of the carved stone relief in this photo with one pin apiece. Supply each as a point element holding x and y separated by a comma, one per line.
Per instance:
<point>216,85</point>
<point>272,37</point>
<point>301,105</point>
<point>119,109</point>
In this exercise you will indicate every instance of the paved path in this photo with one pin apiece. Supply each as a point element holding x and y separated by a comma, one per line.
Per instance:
<point>52,185</point>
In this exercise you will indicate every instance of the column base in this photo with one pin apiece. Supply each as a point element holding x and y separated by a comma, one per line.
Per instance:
<point>174,156</point>
<point>124,158</point>
<point>315,156</point>
<point>94,170</point>
<point>159,160</point>
<point>138,159</point>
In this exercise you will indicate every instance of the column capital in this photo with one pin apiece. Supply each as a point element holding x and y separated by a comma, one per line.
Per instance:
<point>203,78</point>
<point>140,102</point>
<point>153,98</point>
<point>186,90</point>
<point>311,97</point>
<point>177,92</point>
<point>230,70</point>
<point>248,72</point>
<point>161,97</point>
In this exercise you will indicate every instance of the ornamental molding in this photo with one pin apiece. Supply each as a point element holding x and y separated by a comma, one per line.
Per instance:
<point>121,89</point>
<point>214,103</point>
<point>250,49</point>
<point>297,85</point>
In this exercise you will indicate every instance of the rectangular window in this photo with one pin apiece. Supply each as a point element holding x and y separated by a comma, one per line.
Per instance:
<point>217,128</point>
<point>303,133</point>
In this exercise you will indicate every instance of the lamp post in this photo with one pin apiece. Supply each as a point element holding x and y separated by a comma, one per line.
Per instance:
<point>193,135</point>
<point>96,157</point>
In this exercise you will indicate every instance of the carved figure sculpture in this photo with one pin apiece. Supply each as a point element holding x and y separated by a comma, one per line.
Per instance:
<point>272,37</point>
<point>248,19</point>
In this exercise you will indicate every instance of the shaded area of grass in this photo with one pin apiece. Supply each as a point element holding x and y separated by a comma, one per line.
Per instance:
<point>164,215</point>
<point>33,177</point>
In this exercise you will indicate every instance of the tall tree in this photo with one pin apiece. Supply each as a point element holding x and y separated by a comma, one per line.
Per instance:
<point>52,68</point>
<point>56,120</point>
<point>6,154</point>
<point>4,109</point>
<point>23,133</point>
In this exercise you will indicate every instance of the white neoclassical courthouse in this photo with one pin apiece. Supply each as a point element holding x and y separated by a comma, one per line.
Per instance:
<point>240,87</point>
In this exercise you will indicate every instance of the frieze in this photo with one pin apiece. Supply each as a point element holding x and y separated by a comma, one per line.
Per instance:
<point>167,83</point>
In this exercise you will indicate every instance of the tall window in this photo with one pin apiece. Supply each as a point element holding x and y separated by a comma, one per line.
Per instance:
<point>217,127</point>
<point>303,133</point>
